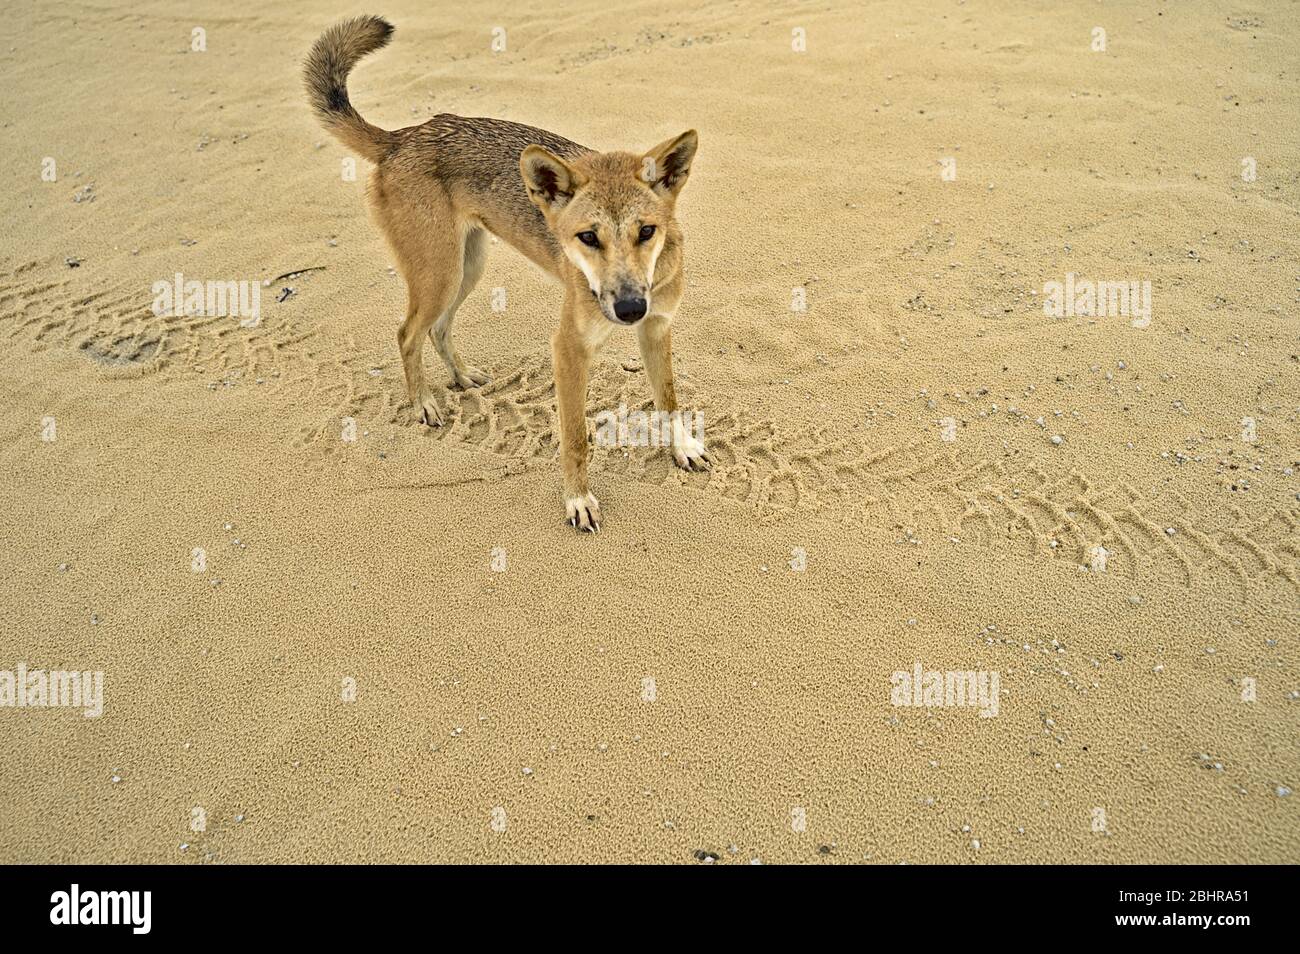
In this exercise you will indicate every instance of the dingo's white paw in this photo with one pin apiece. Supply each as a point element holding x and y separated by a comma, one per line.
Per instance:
<point>690,454</point>
<point>583,512</point>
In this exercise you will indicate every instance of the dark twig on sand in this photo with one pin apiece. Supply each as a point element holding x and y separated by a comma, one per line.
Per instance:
<point>298,271</point>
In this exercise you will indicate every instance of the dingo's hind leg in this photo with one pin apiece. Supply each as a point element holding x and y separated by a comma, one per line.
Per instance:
<point>429,247</point>
<point>474,261</point>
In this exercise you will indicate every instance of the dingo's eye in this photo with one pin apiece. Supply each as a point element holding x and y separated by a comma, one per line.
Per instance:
<point>647,233</point>
<point>589,238</point>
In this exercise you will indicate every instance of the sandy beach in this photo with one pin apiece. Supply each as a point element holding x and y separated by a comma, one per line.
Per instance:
<point>328,633</point>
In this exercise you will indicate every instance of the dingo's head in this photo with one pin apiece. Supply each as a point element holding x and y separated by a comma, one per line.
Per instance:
<point>612,214</point>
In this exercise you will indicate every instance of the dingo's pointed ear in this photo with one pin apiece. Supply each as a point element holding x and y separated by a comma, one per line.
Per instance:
<point>549,180</point>
<point>667,165</point>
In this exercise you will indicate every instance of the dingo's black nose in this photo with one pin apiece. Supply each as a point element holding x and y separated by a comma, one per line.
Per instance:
<point>630,309</point>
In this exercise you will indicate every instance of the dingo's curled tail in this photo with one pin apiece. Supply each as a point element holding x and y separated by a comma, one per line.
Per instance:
<point>325,75</point>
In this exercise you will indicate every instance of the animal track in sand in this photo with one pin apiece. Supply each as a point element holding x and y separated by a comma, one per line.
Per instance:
<point>924,494</point>
<point>115,327</point>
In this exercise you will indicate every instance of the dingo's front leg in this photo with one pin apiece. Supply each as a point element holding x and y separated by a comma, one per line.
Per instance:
<point>571,358</point>
<point>656,340</point>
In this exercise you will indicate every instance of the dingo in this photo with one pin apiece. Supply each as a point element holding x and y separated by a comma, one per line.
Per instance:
<point>602,223</point>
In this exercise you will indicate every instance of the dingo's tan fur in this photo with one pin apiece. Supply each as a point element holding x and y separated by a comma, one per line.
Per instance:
<point>602,223</point>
